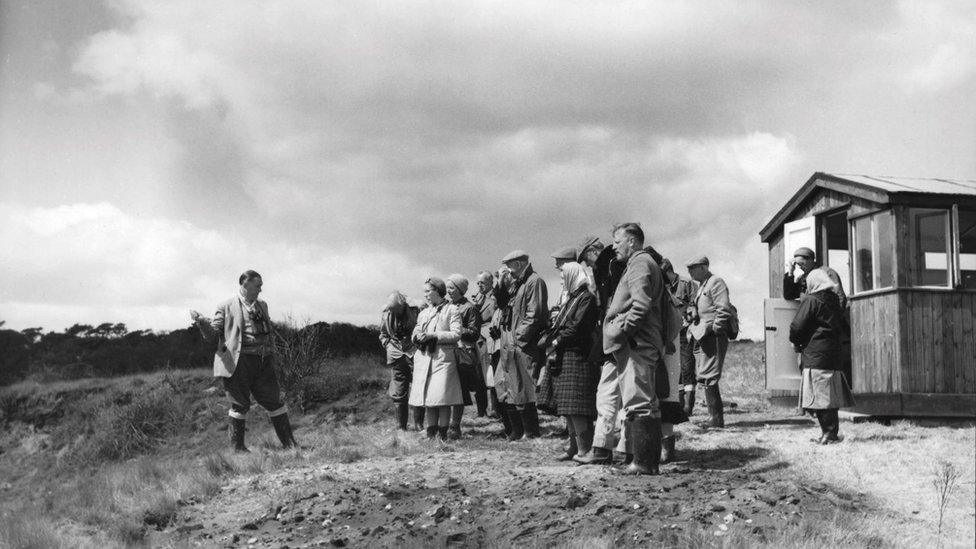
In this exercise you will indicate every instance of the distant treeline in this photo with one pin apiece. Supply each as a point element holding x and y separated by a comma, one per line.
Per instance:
<point>112,350</point>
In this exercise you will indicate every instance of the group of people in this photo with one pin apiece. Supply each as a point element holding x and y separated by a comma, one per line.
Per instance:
<point>619,356</point>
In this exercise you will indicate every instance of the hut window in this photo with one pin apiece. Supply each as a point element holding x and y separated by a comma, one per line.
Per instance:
<point>931,252</point>
<point>874,266</point>
<point>967,248</point>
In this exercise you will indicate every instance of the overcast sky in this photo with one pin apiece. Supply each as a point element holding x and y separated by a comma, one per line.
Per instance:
<point>151,151</point>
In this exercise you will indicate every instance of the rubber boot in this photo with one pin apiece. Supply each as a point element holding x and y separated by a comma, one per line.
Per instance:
<point>503,414</point>
<point>237,435</point>
<point>713,399</point>
<point>667,450</point>
<point>596,456</point>
<point>454,431</point>
<point>829,425</point>
<point>481,402</point>
<point>645,432</point>
<point>418,418</point>
<point>689,402</point>
<point>402,415</point>
<point>442,433</point>
<point>494,407</point>
<point>282,428</point>
<point>432,433</point>
<point>517,429</point>
<point>530,421</point>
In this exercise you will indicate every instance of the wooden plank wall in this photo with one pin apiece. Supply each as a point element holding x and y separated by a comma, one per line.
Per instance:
<point>875,349</point>
<point>938,341</point>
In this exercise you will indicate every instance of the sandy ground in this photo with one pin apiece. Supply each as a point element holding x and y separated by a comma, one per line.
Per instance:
<point>481,492</point>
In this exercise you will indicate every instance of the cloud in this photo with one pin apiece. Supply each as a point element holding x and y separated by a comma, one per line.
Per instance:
<point>94,263</point>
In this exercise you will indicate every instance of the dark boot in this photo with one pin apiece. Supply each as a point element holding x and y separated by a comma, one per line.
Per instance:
<point>494,408</point>
<point>506,419</point>
<point>667,450</point>
<point>442,433</point>
<point>596,456</point>
<point>282,428</point>
<point>681,399</point>
<point>481,402</point>
<point>530,421</point>
<point>432,433</point>
<point>517,429</point>
<point>454,432</point>
<point>829,425</point>
<point>645,432</point>
<point>237,435</point>
<point>418,417</point>
<point>689,405</point>
<point>713,399</point>
<point>402,415</point>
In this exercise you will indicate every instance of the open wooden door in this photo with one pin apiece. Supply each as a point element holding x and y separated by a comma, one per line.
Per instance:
<point>801,233</point>
<point>782,366</point>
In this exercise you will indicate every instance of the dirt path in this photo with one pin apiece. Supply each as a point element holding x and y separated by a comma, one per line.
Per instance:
<point>478,492</point>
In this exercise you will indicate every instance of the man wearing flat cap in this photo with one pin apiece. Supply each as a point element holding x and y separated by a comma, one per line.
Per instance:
<point>710,334</point>
<point>795,286</point>
<point>605,271</point>
<point>523,296</point>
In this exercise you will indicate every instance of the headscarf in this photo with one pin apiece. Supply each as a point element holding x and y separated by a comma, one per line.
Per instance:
<point>438,285</point>
<point>459,282</point>
<point>818,280</point>
<point>574,276</point>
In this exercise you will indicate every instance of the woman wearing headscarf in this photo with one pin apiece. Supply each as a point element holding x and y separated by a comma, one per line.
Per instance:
<point>469,368</point>
<point>568,344</point>
<point>396,329</point>
<point>436,385</point>
<point>816,333</point>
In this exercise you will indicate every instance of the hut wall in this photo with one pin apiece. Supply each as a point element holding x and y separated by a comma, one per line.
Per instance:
<point>938,340</point>
<point>875,349</point>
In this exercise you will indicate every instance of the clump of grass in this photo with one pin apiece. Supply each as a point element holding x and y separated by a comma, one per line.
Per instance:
<point>944,481</point>
<point>126,431</point>
<point>29,531</point>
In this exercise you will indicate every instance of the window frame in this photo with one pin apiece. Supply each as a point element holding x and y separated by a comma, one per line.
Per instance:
<point>855,262</point>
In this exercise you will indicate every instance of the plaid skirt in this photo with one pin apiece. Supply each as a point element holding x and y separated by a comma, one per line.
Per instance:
<point>571,390</point>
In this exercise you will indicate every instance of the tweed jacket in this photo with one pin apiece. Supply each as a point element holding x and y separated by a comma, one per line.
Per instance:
<point>229,320</point>
<point>714,308</point>
<point>634,314</point>
<point>396,333</point>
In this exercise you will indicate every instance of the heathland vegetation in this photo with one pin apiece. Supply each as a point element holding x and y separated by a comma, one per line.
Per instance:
<point>141,459</point>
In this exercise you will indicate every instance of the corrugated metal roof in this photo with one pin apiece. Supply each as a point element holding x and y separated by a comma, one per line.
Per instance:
<point>913,184</point>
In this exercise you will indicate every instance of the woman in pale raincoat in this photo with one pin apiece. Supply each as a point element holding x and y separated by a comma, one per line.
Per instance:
<point>436,385</point>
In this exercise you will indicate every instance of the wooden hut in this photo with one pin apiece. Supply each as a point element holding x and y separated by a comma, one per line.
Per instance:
<point>905,249</point>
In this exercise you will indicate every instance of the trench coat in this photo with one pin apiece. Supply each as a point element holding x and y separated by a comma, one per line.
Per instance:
<point>435,374</point>
<point>521,358</point>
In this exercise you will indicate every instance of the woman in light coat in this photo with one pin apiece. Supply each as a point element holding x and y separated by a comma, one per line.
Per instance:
<point>436,385</point>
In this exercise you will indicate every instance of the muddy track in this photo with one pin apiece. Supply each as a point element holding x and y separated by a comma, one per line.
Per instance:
<point>510,495</point>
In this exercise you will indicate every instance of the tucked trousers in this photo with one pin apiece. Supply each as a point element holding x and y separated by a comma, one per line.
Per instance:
<point>687,359</point>
<point>606,431</point>
<point>401,373</point>
<point>710,355</point>
<point>636,368</point>
<point>254,376</point>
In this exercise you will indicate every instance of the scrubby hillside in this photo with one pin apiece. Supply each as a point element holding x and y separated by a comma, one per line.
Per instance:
<point>143,460</point>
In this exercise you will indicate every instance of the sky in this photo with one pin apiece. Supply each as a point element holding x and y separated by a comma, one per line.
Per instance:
<point>152,151</point>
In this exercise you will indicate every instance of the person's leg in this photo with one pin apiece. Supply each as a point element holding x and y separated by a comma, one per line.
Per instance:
<point>443,420</point>
<point>712,348</point>
<point>399,391</point>
<point>830,425</point>
<point>572,447</point>
<point>530,420</point>
<point>583,429</point>
<point>481,402</point>
<point>687,377</point>
<point>239,397</point>
<point>641,407</point>
<point>431,417</point>
<point>605,431</point>
<point>515,420</point>
<point>667,443</point>
<point>267,393</point>
<point>456,413</point>
<point>418,417</point>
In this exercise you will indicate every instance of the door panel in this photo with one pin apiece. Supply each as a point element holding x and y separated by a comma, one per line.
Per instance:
<point>782,363</point>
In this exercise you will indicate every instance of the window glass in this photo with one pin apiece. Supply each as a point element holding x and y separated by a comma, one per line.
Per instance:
<point>967,248</point>
<point>930,239</point>
<point>884,228</point>
<point>863,255</point>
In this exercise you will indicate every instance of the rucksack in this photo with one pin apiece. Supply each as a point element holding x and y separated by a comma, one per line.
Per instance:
<point>733,330</point>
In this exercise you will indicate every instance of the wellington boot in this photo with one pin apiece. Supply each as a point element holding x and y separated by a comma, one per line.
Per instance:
<point>282,427</point>
<point>237,435</point>
<point>418,418</point>
<point>645,432</point>
<point>454,432</point>
<point>530,421</point>
<point>517,429</point>
<point>442,433</point>
<point>431,433</point>
<point>713,399</point>
<point>481,402</point>
<point>401,409</point>
<point>506,419</point>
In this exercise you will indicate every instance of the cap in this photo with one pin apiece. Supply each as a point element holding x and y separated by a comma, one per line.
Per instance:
<point>585,245</point>
<point>700,260</point>
<point>805,252</point>
<point>512,256</point>
<point>568,253</point>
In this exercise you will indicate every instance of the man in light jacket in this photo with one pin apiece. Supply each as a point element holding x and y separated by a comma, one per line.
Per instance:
<point>710,333</point>
<point>243,360</point>
<point>632,331</point>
